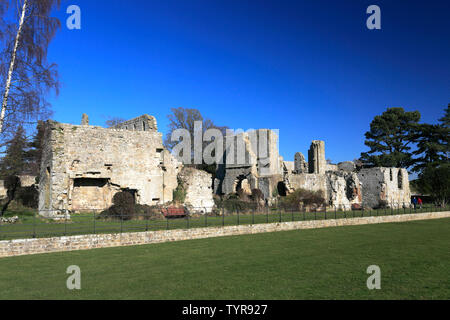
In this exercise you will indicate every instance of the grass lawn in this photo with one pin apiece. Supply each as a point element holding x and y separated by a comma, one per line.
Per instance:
<point>328,263</point>
<point>31,225</point>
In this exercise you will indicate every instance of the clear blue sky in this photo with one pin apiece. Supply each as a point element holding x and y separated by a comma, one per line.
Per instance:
<point>308,68</point>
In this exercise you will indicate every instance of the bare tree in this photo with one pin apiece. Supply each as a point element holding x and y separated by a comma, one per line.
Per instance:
<point>114,121</point>
<point>25,74</point>
<point>185,118</point>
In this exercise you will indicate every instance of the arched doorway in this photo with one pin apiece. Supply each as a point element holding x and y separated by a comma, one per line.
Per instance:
<point>282,189</point>
<point>242,185</point>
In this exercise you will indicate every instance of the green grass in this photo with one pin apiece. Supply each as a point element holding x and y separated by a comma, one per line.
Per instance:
<point>328,263</point>
<point>31,226</point>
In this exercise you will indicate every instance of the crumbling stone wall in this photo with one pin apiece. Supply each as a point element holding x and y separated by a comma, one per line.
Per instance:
<point>27,180</point>
<point>343,189</point>
<point>84,166</point>
<point>198,186</point>
<point>3,190</point>
<point>316,157</point>
<point>342,185</point>
<point>261,159</point>
<point>300,164</point>
<point>385,186</point>
<point>142,123</point>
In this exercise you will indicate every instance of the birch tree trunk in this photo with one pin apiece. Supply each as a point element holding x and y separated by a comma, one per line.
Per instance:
<point>11,66</point>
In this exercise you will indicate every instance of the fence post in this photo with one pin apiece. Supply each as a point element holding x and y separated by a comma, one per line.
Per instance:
<point>94,221</point>
<point>267,215</point>
<point>121,224</point>
<point>237,216</point>
<point>206,218</point>
<point>34,225</point>
<point>65,223</point>
<point>280,214</point>
<point>187,221</point>
<point>253,216</point>
<point>223,217</point>
<point>335,212</point>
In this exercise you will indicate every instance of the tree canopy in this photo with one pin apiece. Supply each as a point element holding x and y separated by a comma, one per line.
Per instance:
<point>26,29</point>
<point>390,139</point>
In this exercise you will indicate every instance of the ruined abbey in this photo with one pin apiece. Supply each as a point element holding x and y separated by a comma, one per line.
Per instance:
<point>83,166</point>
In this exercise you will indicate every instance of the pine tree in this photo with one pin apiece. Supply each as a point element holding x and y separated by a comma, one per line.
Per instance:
<point>33,153</point>
<point>390,138</point>
<point>12,165</point>
<point>14,161</point>
<point>431,146</point>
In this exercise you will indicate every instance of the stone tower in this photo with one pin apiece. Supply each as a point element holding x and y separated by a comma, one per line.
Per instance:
<point>316,157</point>
<point>300,165</point>
<point>84,120</point>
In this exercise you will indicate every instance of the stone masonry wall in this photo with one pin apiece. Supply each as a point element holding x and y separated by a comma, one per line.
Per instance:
<point>198,184</point>
<point>83,242</point>
<point>84,166</point>
<point>385,184</point>
<point>142,123</point>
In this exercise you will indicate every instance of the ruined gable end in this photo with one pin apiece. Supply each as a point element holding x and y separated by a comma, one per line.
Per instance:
<point>84,166</point>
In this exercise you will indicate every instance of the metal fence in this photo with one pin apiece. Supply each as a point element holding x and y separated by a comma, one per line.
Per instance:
<point>32,225</point>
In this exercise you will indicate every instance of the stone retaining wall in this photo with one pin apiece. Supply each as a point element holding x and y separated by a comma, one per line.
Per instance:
<point>82,242</point>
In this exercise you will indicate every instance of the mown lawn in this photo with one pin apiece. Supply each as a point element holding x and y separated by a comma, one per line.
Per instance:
<point>329,263</point>
<point>31,225</point>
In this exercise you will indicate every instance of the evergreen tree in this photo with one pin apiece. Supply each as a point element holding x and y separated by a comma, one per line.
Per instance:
<point>33,153</point>
<point>445,124</point>
<point>390,138</point>
<point>14,161</point>
<point>433,164</point>
<point>432,146</point>
<point>435,180</point>
<point>12,165</point>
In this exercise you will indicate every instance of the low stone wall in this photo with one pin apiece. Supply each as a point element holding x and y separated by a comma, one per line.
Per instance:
<point>45,245</point>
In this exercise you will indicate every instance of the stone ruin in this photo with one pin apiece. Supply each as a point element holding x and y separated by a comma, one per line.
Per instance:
<point>83,166</point>
<point>343,186</point>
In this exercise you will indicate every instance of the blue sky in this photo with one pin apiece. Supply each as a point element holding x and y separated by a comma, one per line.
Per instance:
<point>308,68</point>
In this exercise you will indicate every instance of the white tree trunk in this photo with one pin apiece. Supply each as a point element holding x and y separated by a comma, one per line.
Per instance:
<point>11,66</point>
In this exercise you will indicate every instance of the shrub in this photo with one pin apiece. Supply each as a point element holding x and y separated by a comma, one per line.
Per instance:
<point>236,205</point>
<point>382,204</point>
<point>124,206</point>
<point>242,195</point>
<point>275,192</point>
<point>257,195</point>
<point>144,211</point>
<point>302,198</point>
<point>28,197</point>
<point>179,194</point>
